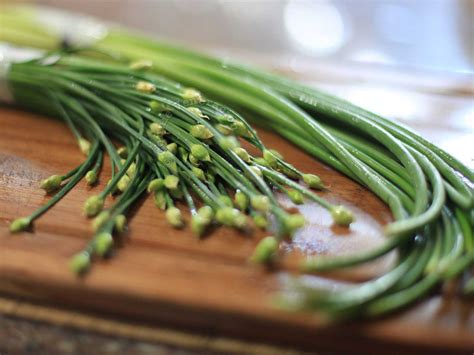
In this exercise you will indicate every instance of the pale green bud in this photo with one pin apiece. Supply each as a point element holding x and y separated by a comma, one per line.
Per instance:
<point>172,147</point>
<point>103,243</point>
<point>289,172</point>
<point>155,185</point>
<point>169,160</point>
<point>260,221</point>
<point>206,212</point>
<point>192,96</point>
<point>240,221</point>
<point>293,222</point>
<point>141,64</point>
<point>20,224</point>
<point>122,152</point>
<point>132,169</point>
<point>241,200</point>
<point>93,206</point>
<point>225,118</point>
<point>159,199</point>
<point>295,196</point>
<point>342,216</point>
<point>183,153</point>
<point>239,129</point>
<point>270,158</point>
<point>194,161</point>
<point>120,223</point>
<point>173,216</point>
<point>256,170</point>
<point>201,132</point>
<point>158,107</point>
<point>84,146</point>
<point>200,152</point>
<point>80,262</point>
<point>199,173</point>
<point>51,183</point>
<point>171,182</point>
<point>91,177</point>
<point>227,215</point>
<point>145,87</point>
<point>225,130</point>
<point>260,203</point>
<point>100,219</point>
<point>199,224</point>
<point>242,154</point>
<point>157,129</point>
<point>265,251</point>
<point>313,181</point>
<point>225,200</point>
<point>123,183</point>
<point>197,112</point>
<point>229,142</point>
<point>262,162</point>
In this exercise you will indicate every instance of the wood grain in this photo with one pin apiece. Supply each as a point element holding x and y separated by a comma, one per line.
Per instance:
<point>167,277</point>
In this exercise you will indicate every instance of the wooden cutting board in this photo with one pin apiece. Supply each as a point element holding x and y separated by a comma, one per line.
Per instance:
<point>161,277</point>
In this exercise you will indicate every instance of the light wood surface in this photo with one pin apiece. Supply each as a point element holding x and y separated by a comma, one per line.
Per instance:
<point>161,277</point>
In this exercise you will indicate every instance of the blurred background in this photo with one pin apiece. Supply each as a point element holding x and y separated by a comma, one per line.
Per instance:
<point>412,60</point>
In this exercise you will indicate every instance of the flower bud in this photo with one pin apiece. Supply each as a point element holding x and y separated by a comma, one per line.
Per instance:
<point>224,130</point>
<point>199,173</point>
<point>172,147</point>
<point>155,185</point>
<point>293,222</point>
<point>157,129</point>
<point>173,216</point>
<point>242,154</point>
<point>225,200</point>
<point>122,152</point>
<point>241,200</point>
<point>84,146</point>
<point>197,112</point>
<point>239,129</point>
<point>260,203</point>
<point>342,216</point>
<point>265,251</point>
<point>171,182</point>
<point>80,262</point>
<point>270,158</point>
<point>169,160</point>
<point>103,243</point>
<point>295,196</point>
<point>145,87</point>
<point>227,215</point>
<point>201,132</point>
<point>192,96</point>
<point>51,183</point>
<point>93,206</point>
<point>262,162</point>
<point>142,64</point>
<point>99,220</point>
<point>199,224</point>
<point>91,177</point>
<point>313,181</point>
<point>260,221</point>
<point>123,183</point>
<point>159,199</point>
<point>229,142</point>
<point>19,224</point>
<point>256,170</point>
<point>200,152</point>
<point>158,107</point>
<point>132,170</point>
<point>120,223</point>
<point>206,212</point>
